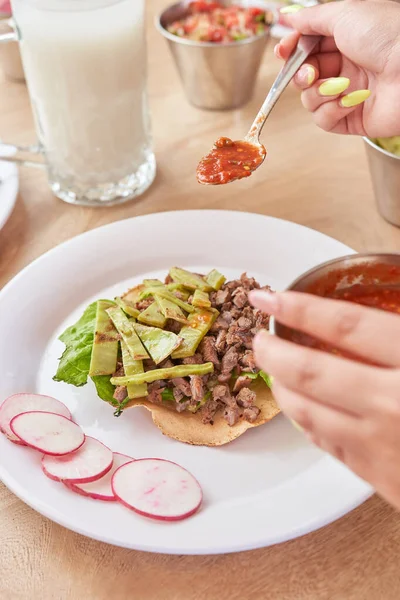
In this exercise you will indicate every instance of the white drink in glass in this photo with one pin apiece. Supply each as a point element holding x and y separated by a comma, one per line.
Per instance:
<point>85,66</point>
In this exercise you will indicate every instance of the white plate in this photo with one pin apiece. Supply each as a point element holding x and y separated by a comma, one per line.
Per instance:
<point>8,187</point>
<point>268,486</point>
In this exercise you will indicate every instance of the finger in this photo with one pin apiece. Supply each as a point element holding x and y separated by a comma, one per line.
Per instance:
<point>316,20</point>
<point>326,66</point>
<point>348,326</point>
<point>325,378</point>
<point>331,430</point>
<point>287,45</point>
<point>323,91</point>
<point>340,434</point>
<point>332,116</point>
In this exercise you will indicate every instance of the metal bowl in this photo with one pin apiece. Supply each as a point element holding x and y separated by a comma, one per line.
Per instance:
<point>214,76</point>
<point>368,269</point>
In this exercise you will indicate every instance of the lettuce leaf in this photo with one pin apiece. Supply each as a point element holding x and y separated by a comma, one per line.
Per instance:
<point>74,364</point>
<point>264,376</point>
<point>104,388</point>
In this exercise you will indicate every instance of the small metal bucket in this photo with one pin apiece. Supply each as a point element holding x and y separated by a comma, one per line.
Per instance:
<point>214,76</point>
<point>385,174</point>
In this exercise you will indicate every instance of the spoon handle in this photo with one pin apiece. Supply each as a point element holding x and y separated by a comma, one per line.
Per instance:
<point>305,46</point>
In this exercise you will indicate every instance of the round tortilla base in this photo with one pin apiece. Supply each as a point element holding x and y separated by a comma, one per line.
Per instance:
<point>188,428</point>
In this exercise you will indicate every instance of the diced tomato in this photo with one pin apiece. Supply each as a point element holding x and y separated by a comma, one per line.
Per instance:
<point>216,34</point>
<point>254,12</point>
<point>231,21</point>
<point>202,6</point>
<point>189,25</point>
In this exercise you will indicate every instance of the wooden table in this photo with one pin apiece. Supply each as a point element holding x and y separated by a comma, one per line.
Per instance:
<point>310,177</point>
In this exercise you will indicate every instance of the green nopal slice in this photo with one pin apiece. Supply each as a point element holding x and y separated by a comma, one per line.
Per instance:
<point>215,279</point>
<point>152,283</point>
<point>168,373</point>
<point>201,299</point>
<point>127,307</point>
<point>162,292</point>
<point>152,316</point>
<point>125,328</point>
<point>200,322</point>
<point>177,287</point>
<point>105,344</point>
<point>133,367</point>
<point>189,280</point>
<point>132,296</point>
<point>170,310</point>
<point>159,343</point>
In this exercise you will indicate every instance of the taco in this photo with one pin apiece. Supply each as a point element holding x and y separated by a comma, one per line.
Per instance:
<point>182,349</point>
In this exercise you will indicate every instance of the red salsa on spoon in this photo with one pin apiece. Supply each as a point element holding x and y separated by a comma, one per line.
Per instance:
<point>229,160</point>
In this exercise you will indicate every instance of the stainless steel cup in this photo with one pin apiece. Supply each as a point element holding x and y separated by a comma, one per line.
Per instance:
<point>385,174</point>
<point>214,76</point>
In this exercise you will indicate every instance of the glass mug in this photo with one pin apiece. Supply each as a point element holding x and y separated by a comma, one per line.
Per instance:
<point>85,67</point>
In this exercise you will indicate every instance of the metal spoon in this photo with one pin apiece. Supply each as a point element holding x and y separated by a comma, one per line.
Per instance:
<point>305,46</point>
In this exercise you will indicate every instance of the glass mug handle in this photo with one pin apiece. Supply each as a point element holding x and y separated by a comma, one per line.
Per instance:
<point>8,152</point>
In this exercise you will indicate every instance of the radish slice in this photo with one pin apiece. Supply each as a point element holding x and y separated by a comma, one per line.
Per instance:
<point>22,403</point>
<point>158,489</point>
<point>89,463</point>
<point>47,432</point>
<point>101,489</point>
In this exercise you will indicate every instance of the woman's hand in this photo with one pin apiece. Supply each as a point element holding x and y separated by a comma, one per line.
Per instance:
<point>351,82</point>
<point>348,409</point>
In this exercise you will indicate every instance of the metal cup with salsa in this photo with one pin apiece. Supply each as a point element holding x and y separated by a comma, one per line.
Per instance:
<point>372,280</point>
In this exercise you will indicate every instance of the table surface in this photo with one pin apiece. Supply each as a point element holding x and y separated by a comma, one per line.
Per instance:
<point>310,177</point>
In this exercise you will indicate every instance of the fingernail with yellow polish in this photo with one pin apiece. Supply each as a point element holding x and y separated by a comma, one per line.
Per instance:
<point>306,75</point>
<point>354,98</point>
<point>334,86</point>
<point>293,8</point>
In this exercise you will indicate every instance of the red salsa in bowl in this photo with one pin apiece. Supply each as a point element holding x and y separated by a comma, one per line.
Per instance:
<point>213,22</point>
<point>371,280</point>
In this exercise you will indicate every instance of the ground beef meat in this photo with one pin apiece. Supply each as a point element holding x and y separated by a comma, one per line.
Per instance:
<point>178,394</point>
<point>224,377</point>
<point>240,299</point>
<point>145,303</point>
<point>221,297</point>
<point>222,393</point>
<point>208,350</point>
<point>245,323</point>
<point>173,326</point>
<point>155,390</point>
<point>261,319</point>
<point>182,385</point>
<point>197,388</point>
<point>249,282</point>
<point>182,406</point>
<point>220,324</point>
<point>208,411</point>
<point>248,361</point>
<point>168,279</point>
<point>246,397</point>
<point>251,414</point>
<point>230,360</point>
<point>242,382</point>
<point>149,365</point>
<point>196,359</point>
<point>232,415</point>
<point>120,393</point>
<point>166,364</point>
<point>227,316</point>
<point>220,342</point>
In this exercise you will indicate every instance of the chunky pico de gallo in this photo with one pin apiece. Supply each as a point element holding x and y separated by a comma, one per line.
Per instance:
<point>212,22</point>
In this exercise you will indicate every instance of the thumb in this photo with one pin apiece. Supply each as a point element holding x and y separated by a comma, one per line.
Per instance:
<point>317,20</point>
